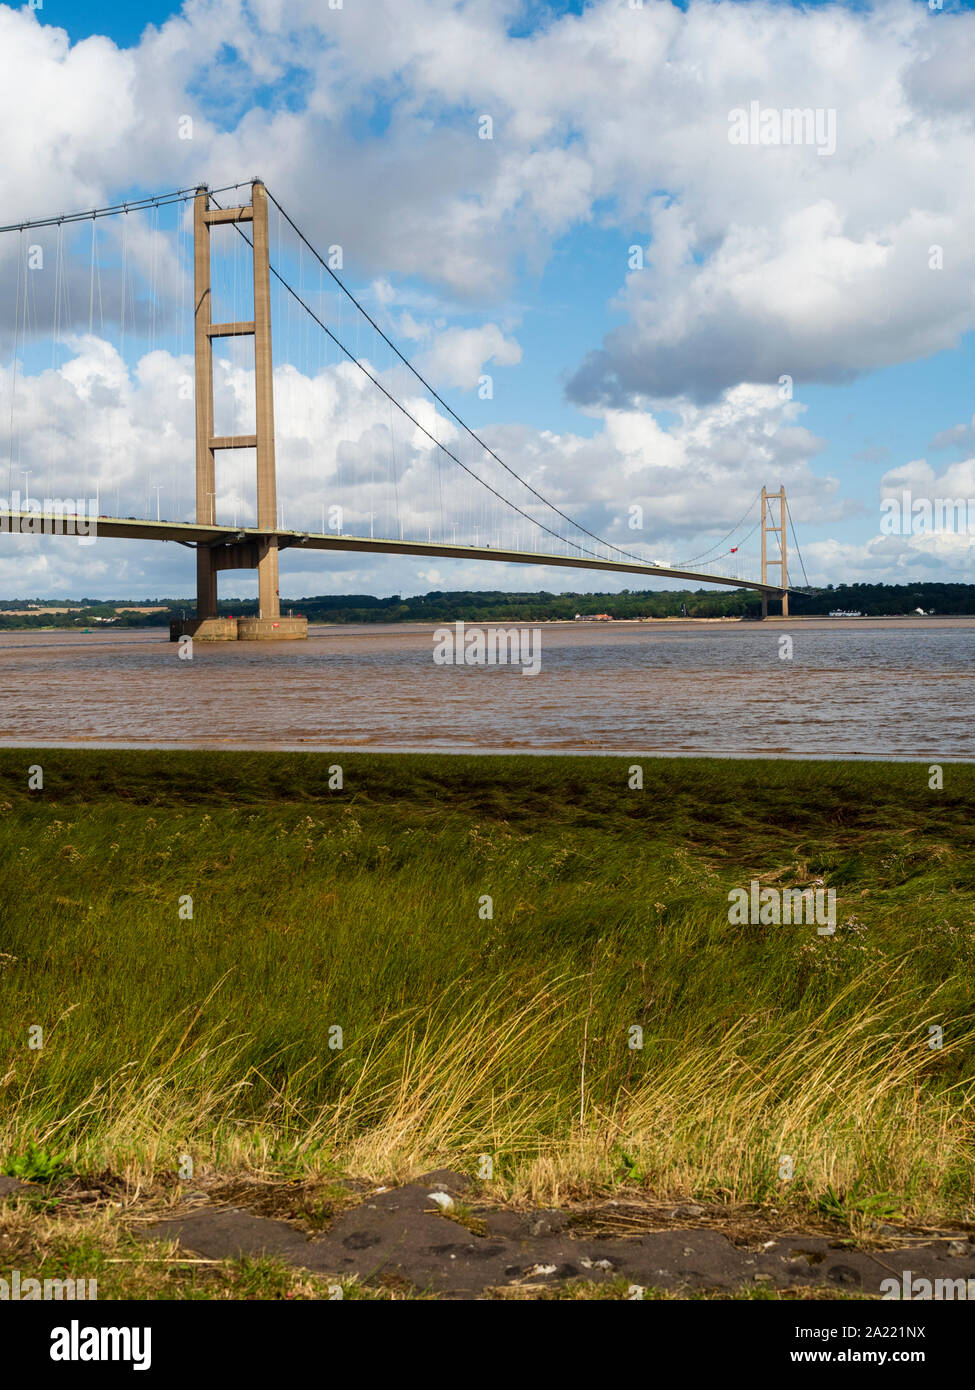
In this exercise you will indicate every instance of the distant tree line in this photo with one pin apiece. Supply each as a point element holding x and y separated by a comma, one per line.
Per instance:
<point>496,606</point>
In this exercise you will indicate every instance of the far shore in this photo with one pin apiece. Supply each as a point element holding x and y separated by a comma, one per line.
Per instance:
<point>360,629</point>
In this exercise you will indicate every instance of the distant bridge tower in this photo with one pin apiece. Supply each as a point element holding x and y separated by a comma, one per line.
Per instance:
<point>261,554</point>
<point>780,564</point>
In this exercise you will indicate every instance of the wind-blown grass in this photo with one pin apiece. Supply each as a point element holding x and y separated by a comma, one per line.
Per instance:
<point>509,1036</point>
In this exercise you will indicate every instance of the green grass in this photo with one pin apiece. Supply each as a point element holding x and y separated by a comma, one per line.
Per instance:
<point>462,1036</point>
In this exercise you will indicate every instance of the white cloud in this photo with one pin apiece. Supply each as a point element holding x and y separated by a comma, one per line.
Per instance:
<point>760,261</point>
<point>957,437</point>
<point>458,356</point>
<point>893,560</point>
<point>97,425</point>
<point>922,551</point>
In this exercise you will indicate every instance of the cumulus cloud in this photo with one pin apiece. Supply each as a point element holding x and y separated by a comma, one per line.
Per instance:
<point>459,355</point>
<point>810,300</point>
<point>759,261</point>
<point>957,437</point>
<point>925,530</point>
<point>97,426</point>
<point>893,560</point>
<point>593,115</point>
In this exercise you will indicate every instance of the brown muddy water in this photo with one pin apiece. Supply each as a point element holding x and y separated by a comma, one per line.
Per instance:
<point>858,688</point>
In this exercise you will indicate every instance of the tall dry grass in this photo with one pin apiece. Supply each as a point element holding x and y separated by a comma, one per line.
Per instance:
<point>507,1037</point>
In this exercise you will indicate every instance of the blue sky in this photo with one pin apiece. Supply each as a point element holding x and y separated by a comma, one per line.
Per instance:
<point>511,256</point>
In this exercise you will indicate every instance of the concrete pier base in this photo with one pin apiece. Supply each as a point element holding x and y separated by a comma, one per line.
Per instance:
<point>204,629</point>
<point>240,629</point>
<point>272,629</point>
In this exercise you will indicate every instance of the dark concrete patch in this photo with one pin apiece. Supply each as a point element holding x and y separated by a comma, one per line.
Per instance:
<point>13,1187</point>
<point>229,1232</point>
<point>404,1234</point>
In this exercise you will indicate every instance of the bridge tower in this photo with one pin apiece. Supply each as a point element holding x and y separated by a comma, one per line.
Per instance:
<point>782,563</point>
<point>261,554</point>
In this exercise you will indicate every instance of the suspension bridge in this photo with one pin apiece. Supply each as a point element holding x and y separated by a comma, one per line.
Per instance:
<point>110,321</point>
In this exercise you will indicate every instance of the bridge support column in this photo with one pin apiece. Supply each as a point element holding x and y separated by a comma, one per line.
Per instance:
<point>206,574</point>
<point>269,603</point>
<point>206,583</point>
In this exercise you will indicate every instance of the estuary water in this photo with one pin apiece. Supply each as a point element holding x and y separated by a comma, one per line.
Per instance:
<point>850,688</point>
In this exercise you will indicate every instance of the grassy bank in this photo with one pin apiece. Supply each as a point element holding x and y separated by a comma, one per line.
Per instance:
<point>362,908</point>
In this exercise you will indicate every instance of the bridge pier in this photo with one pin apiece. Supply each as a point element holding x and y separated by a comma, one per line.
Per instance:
<point>207,626</point>
<point>785,605</point>
<point>204,629</point>
<point>239,629</point>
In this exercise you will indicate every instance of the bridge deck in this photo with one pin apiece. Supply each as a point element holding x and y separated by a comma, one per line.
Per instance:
<point>188,533</point>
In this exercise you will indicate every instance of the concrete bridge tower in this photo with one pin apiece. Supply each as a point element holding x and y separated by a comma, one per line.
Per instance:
<point>262,553</point>
<point>781,564</point>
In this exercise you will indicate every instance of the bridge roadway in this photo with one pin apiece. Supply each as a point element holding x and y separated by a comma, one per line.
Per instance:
<point>192,535</point>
